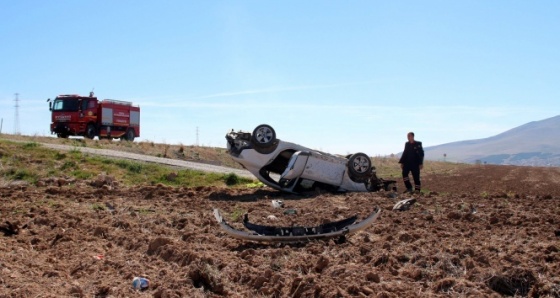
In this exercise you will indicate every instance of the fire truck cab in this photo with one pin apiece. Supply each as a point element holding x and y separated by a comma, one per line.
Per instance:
<point>76,115</point>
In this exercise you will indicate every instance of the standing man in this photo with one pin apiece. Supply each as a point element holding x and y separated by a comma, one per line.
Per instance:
<point>412,160</point>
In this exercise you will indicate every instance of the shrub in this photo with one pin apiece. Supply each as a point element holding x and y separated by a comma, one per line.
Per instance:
<point>231,179</point>
<point>31,145</point>
<point>68,165</point>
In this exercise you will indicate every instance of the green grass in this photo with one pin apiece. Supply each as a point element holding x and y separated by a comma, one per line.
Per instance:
<point>31,162</point>
<point>97,207</point>
<point>20,174</point>
<point>82,175</point>
<point>31,145</point>
<point>237,214</point>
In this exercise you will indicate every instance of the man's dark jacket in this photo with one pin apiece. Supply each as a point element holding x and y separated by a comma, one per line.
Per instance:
<point>413,154</point>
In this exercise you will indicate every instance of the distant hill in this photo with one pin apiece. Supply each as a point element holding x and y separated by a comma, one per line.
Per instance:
<point>536,143</point>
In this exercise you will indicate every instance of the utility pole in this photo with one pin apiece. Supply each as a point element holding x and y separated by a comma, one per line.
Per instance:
<point>16,124</point>
<point>197,136</point>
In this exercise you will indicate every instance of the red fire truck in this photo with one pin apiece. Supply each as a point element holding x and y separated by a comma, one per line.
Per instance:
<point>76,115</point>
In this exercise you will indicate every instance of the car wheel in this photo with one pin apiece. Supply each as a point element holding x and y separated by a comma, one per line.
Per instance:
<point>359,165</point>
<point>390,187</point>
<point>263,136</point>
<point>90,131</point>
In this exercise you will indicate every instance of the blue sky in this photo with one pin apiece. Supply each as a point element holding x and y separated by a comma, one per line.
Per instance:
<point>338,76</point>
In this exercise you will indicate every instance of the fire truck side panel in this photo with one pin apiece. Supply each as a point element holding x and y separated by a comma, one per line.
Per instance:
<point>118,117</point>
<point>135,120</point>
<point>106,116</point>
<point>121,117</point>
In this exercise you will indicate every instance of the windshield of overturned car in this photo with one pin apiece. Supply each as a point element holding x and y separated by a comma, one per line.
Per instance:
<point>238,141</point>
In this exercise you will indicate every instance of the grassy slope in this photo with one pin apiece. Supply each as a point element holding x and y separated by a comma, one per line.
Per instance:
<point>30,161</point>
<point>27,160</point>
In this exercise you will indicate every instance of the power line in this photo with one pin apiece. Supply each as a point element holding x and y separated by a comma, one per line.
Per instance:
<point>16,124</point>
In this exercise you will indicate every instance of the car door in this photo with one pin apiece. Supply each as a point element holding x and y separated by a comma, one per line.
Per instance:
<point>324,168</point>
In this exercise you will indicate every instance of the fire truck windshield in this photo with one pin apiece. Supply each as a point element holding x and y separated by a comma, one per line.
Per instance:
<point>65,105</point>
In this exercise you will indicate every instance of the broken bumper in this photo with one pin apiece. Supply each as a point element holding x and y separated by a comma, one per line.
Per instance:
<point>297,234</point>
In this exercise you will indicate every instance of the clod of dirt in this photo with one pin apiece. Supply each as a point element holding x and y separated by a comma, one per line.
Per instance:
<point>514,282</point>
<point>322,263</point>
<point>156,244</point>
<point>103,180</point>
<point>374,277</point>
<point>9,229</point>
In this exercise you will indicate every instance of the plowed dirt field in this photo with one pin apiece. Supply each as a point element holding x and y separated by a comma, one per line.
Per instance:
<point>481,231</point>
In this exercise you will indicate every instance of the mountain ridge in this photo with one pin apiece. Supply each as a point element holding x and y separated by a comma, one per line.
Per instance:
<point>536,143</point>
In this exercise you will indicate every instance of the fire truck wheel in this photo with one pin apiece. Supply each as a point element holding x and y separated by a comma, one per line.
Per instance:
<point>130,135</point>
<point>61,135</point>
<point>90,131</point>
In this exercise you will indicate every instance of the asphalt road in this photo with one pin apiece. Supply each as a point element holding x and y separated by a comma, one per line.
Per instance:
<point>160,160</point>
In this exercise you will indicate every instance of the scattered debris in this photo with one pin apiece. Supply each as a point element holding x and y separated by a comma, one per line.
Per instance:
<point>277,204</point>
<point>140,283</point>
<point>110,207</point>
<point>473,209</point>
<point>290,211</point>
<point>392,195</point>
<point>404,205</point>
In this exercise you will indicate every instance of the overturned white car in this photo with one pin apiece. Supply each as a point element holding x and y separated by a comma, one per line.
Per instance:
<point>294,168</point>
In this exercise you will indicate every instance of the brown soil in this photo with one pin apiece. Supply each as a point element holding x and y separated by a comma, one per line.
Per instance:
<point>481,231</point>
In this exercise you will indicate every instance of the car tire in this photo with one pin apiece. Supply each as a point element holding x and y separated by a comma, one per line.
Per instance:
<point>390,187</point>
<point>263,136</point>
<point>359,165</point>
